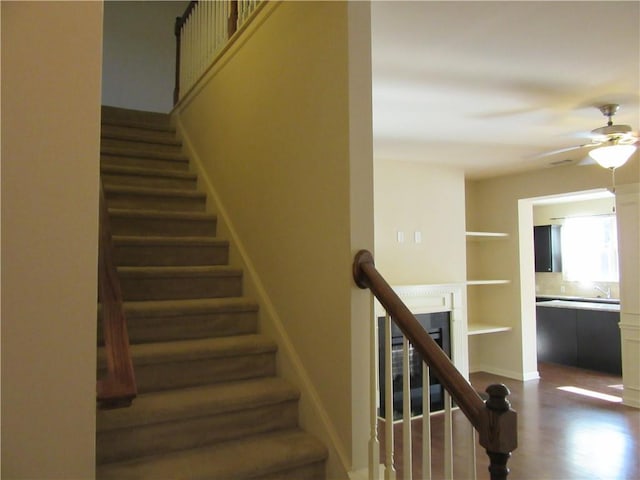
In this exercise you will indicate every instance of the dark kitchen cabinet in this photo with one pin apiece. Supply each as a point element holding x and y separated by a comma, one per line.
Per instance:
<point>557,335</point>
<point>581,338</point>
<point>598,338</point>
<point>546,240</point>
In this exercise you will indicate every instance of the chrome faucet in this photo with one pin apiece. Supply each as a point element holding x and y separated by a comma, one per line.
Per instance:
<point>607,292</point>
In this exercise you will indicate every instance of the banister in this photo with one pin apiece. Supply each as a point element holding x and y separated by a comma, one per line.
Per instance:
<point>494,420</point>
<point>232,27</point>
<point>118,388</point>
<point>177,30</point>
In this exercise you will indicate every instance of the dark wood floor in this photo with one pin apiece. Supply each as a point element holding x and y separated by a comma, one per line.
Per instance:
<point>562,435</point>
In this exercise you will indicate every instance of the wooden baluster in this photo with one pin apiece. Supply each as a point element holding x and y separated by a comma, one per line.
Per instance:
<point>499,433</point>
<point>426,423</point>
<point>406,409</point>
<point>374,443</point>
<point>472,458</point>
<point>233,18</point>
<point>448,437</point>
<point>389,471</point>
<point>176,89</point>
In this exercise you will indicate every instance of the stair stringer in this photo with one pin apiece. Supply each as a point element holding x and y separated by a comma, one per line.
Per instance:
<point>313,415</point>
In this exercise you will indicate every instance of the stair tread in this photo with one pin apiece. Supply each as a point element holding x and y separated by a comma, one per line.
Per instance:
<point>163,240</point>
<point>193,306</point>
<point>162,214</point>
<point>136,118</point>
<point>196,349</point>
<point>194,402</point>
<point>244,458</point>
<point>151,172</point>
<point>179,271</point>
<point>134,133</point>
<point>142,153</point>
<point>160,192</point>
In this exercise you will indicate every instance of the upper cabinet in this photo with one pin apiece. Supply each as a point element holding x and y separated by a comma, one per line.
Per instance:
<point>548,255</point>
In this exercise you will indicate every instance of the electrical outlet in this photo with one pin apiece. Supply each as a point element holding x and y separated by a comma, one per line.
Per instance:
<point>400,237</point>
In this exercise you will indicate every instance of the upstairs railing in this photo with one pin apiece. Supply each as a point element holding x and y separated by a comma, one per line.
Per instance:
<point>201,32</point>
<point>494,420</point>
<point>118,387</point>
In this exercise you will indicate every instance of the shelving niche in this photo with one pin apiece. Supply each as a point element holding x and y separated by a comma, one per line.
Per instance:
<point>486,325</point>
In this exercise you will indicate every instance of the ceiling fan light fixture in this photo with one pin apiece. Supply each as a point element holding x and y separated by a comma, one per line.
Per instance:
<point>612,156</point>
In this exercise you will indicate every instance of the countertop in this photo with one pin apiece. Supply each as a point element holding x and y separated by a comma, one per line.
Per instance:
<point>606,307</point>
<point>580,299</point>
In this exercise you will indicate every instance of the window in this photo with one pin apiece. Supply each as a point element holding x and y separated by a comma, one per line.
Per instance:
<point>590,249</point>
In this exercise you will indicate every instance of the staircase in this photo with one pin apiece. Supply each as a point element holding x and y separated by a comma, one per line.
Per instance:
<point>209,403</point>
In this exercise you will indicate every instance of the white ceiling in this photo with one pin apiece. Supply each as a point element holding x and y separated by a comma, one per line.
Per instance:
<point>488,86</point>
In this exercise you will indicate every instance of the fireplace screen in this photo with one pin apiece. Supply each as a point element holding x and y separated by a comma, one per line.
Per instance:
<point>437,325</point>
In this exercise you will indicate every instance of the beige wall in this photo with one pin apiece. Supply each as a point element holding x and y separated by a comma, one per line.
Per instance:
<point>281,130</point>
<point>417,197</point>
<point>51,58</point>
<point>493,204</point>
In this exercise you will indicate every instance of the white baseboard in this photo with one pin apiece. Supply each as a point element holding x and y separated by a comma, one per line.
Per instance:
<point>513,374</point>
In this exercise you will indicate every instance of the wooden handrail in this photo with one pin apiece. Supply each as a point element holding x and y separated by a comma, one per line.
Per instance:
<point>494,419</point>
<point>118,388</point>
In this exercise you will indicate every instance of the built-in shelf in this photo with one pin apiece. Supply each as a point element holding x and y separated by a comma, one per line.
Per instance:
<point>483,328</point>
<point>485,235</point>
<point>487,282</point>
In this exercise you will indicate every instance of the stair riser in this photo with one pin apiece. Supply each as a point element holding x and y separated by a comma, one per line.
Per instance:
<point>148,181</point>
<point>136,146</point>
<point>153,202</point>
<point>156,377</point>
<point>143,162</point>
<point>125,225</point>
<point>180,288</point>
<point>159,438</point>
<point>187,327</point>
<point>171,255</point>
<point>312,471</point>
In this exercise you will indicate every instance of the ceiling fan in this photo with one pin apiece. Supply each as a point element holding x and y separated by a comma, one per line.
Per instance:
<point>615,143</point>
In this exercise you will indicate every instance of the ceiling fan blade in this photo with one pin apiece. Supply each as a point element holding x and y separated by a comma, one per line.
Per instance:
<point>586,161</point>
<point>567,149</point>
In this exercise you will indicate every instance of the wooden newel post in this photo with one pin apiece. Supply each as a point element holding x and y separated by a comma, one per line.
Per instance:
<point>499,433</point>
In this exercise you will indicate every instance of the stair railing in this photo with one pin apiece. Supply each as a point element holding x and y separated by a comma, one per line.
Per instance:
<point>494,420</point>
<point>202,31</point>
<point>118,387</point>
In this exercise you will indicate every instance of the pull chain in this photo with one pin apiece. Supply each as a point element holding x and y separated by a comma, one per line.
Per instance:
<point>613,188</point>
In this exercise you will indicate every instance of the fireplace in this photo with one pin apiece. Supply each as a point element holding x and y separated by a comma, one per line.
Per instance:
<point>437,325</point>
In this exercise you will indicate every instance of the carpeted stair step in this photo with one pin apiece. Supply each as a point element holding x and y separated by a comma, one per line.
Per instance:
<point>192,417</point>
<point>166,320</point>
<point>142,158</point>
<point>136,147</point>
<point>148,177</point>
<point>158,199</point>
<point>176,283</point>
<point>289,454</point>
<point>161,223</point>
<point>170,251</point>
<point>188,363</point>
<point>138,134</point>
<point>136,118</point>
